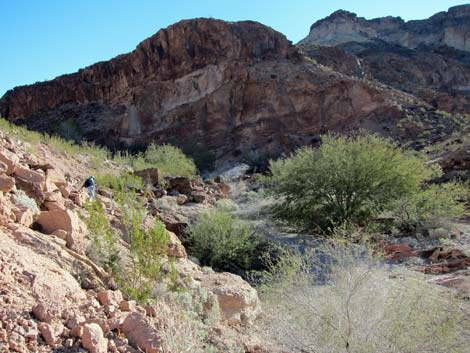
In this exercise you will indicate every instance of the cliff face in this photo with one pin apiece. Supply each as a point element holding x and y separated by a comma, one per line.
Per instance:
<point>445,28</point>
<point>239,89</point>
<point>428,58</point>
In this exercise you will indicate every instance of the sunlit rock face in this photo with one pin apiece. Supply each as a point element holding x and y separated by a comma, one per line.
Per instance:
<point>427,58</point>
<point>239,89</point>
<point>445,28</point>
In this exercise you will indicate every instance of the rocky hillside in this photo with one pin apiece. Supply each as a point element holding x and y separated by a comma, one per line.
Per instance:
<point>55,295</point>
<point>239,89</point>
<point>427,58</point>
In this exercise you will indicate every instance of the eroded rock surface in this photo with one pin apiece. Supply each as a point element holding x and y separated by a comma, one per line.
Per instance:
<point>239,89</point>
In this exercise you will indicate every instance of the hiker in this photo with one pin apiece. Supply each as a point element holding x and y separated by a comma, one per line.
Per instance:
<point>90,184</point>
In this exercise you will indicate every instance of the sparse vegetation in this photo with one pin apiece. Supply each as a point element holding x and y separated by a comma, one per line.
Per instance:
<point>104,239</point>
<point>352,180</point>
<point>170,160</point>
<point>340,298</point>
<point>123,182</point>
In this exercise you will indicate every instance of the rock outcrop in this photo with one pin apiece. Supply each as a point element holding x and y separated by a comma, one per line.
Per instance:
<point>428,58</point>
<point>54,297</point>
<point>239,89</point>
<point>444,28</point>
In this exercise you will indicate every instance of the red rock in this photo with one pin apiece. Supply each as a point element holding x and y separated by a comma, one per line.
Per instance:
<point>175,248</point>
<point>56,177</point>
<point>130,305</point>
<point>17,343</point>
<point>93,339</point>
<point>110,297</point>
<point>68,221</point>
<point>258,93</point>
<point>50,333</point>
<point>29,175</point>
<point>399,251</point>
<point>149,175</point>
<point>24,216</point>
<point>6,183</point>
<point>10,159</point>
<point>42,313</point>
<point>3,167</point>
<point>141,333</point>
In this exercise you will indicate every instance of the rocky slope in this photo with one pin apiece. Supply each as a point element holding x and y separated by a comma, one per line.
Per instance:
<point>428,58</point>
<point>239,89</point>
<point>55,297</point>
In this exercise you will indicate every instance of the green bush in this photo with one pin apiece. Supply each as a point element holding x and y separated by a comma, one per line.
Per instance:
<point>104,250</point>
<point>123,182</point>
<point>225,243</point>
<point>430,207</point>
<point>148,247</point>
<point>170,160</point>
<point>140,269</point>
<point>345,180</point>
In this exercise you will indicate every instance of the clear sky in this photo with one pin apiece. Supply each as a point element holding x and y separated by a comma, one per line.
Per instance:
<point>41,39</point>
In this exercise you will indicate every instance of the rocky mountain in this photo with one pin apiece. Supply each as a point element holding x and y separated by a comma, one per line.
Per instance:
<point>239,89</point>
<point>427,58</point>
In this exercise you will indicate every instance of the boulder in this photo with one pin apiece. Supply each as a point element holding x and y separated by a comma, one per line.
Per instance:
<point>54,176</point>
<point>199,197</point>
<point>28,175</point>
<point>50,333</point>
<point>110,297</point>
<point>3,167</point>
<point>399,251</point>
<point>238,301</point>
<point>6,183</point>
<point>182,185</point>
<point>174,223</point>
<point>128,305</point>
<point>175,248</point>
<point>93,339</point>
<point>149,175</point>
<point>66,220</point>
<point>181,199</point>
<point>141,333</point>
<point>10,159</point>
<point>24,216</point>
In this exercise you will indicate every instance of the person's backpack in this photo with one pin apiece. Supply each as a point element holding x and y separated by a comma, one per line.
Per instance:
<point>88,183</point>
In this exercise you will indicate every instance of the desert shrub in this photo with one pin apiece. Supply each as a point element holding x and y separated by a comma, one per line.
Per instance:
<point>104,239</point>
<point>21,199</point>
<point>220,240</point>
<point>140,269</point>
<point>123,182</point>
<point>339,298</point>
<point>347,179</point>
<point>148,247</point>
<point>170,160</point>
<point>430,207</point>
<point>95,155</point>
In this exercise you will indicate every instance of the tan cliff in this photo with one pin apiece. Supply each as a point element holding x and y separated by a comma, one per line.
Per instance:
<point>427,58</point>
<point>448,28</point>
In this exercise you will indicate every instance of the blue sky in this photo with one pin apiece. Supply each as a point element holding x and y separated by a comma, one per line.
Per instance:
<point>41,39</point>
